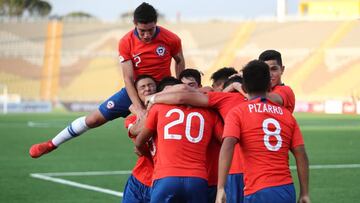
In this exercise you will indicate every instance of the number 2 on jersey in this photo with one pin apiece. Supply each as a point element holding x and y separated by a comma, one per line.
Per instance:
<point>269,133</point>
<point>180,120</point>
<point>137,60</point>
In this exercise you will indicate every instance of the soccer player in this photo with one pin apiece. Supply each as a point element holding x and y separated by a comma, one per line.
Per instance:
<point>147,49</point>
<point>280,93</point>
<point>183,135</point>
<point>266,132</point>
<point>191,77</point>
<point>220,76</point>
<point>223,102</point>
<point>138,185</point>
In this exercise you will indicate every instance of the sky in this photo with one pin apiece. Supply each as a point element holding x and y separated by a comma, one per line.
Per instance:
<point>110,10</point>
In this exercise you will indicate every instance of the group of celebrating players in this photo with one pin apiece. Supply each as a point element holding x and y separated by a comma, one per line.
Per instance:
<point>228,143</point>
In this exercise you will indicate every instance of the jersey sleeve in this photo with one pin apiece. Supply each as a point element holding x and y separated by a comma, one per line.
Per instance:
<point>297,138</point>
<point>151,119</point>
<point>214,99</point>
<point>287,96</point>
<point>218,127</point>
<point>124,49</point>
<point>232,126</point>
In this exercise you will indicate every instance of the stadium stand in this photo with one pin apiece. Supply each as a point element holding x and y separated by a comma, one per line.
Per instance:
<point>321,57</point>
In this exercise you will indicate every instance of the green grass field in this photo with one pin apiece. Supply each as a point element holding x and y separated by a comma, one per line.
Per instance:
<point>332,141</point>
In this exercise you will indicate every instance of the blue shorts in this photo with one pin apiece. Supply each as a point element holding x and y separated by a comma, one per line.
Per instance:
<point>179,189</point>
<point>234,188</point>
<point>116,106</point>
<point>212,190</point>
<point>278,194</point>
<point>136,192</point>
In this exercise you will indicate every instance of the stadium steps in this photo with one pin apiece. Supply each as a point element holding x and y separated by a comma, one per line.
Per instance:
<point>99,80</point>
<point>28,89</point>
<point>300,76</point>
<point>342,86</point>
<point>228,53</point>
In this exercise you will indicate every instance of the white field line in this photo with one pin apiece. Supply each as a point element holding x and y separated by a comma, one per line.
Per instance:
<point>48,124</point>
<point>48,176</point>
<point>328,128</point>
<point>333,166</point>
<point>87,173</point>
<point>78,185</point>
<point>37,125</point>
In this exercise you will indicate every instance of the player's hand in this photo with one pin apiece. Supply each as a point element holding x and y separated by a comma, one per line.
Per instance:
<point>138,151</point>
<point>139,112</point>
<point>132,109</point>
<point>220,196</point>
<point>236,74</point>
<point>140,120</point>
<point>304,199</point>
<point>230,88</point>
<point>148,107</point>
<point>149,101</point>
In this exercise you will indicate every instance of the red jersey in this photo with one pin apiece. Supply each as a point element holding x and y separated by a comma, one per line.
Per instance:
<point>223,102</point>
<point>144,167</point>
<point>287,96</point>
<point>212,161</point>
<point>183,136</point>
<point>152,58</point>
<point>266,133</point>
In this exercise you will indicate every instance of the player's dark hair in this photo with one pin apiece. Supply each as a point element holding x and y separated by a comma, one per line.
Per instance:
<point>140,77</point>
<point>232,80</point>
<point>271,55</point>
<point>223,74</point>
<point>145,13</point>
<point>256,77</point>
<point>191,73</point>
<point>166,81</point>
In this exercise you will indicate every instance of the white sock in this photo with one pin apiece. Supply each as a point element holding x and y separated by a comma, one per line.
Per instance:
<point>76,128</point>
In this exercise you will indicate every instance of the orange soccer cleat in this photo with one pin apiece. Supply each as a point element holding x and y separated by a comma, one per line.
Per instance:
<point>37,150</point>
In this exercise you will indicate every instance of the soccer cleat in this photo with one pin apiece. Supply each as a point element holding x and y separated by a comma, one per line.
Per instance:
<point>37,150</point>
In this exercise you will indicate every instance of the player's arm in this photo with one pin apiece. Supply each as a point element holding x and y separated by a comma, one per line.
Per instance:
<point>141,139</point>
<point>190,98</point>
<point>178,88</point>
<point>205,89</point>
<point>225,158</point>
<point>302,164</point>
<point>128,75</point>
<point>137,127</point>
<point>173,89</point>
<point>179,63</point>
<point>235,86</point>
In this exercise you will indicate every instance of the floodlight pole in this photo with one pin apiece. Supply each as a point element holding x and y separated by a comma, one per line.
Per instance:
<point>281,10</point>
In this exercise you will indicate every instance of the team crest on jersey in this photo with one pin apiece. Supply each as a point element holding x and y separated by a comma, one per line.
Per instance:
<point>110,104</point>
<point>160,50</point>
